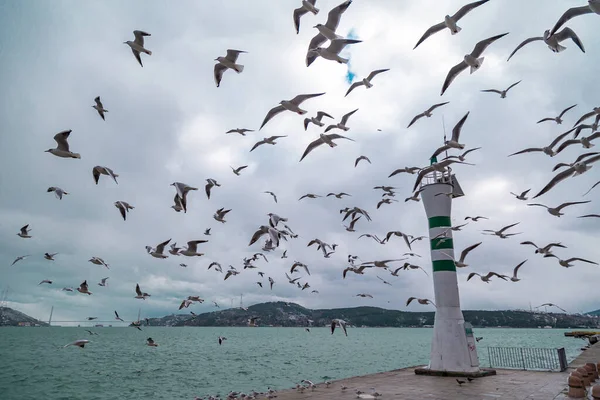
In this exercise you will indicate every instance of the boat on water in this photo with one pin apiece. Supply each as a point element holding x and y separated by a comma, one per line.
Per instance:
<point>98,326</point>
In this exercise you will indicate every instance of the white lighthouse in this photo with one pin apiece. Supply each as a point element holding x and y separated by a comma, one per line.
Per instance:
<point>453,350</point>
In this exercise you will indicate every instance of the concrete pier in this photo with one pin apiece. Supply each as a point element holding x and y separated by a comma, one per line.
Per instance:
<point>404,384</point>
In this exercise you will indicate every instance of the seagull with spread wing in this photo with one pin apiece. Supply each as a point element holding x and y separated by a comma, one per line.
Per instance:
<point>366,82</point>
<point>502,93</point>
<point>323,139</point>
<point>227,62</point>
<point>460,263</point>
<point>289,105</point>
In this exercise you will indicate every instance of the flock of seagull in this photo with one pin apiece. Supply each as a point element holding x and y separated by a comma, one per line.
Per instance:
<point>276,230</point>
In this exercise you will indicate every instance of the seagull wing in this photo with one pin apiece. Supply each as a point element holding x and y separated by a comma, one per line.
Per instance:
<point>434,29</point>
<point>376,72</point>
<point>415,119</point>
<point>466,251</point>
<point>272,112</point>
<point>260,142</point>
<point>580,120</point>
<point>219,69</point>
<point>353,86</point>
<point>458,127</point>
<point>568,33</point>
<point>566,144</point>
<point>571,203</point>
<point>335,14</point>
<point>301,97</point>
<point>523,43</point>
<point>529,150</point>
<point>481,46</point>
<point>232,55</point>
<point>561,176</point>
<point>513,85</point>
<point>337,45</point>
<point>61,140</point>
<point>492,91</point>
<point>464,10</point>
<point>452,74</point>
<point>161,247</point>
<point>581,259</point>
<point>316,41</point>
<point>334,136</point>
<point>517,268</point>
<point>421,175</point>
<point>298,12</point>
<point>570,13</point>
<point>138,290</point>
<point>139,37</point>
<point>312,145</point>
<point>558,139</point>
<point>346,117</point>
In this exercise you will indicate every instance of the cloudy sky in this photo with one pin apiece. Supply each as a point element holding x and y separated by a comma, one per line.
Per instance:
<point>167,123</point>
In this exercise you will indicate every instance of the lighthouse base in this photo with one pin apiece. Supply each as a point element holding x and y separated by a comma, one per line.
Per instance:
<point>480,373</point>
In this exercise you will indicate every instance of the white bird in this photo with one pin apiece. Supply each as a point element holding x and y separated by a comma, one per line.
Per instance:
<point>19,259</point>
<point>49,256</point>
<point>463,156</point>
<point>230,272</point>
<point>460,263</point>
<point>342,124</point>
<point>558,119</point>
<point>522,196</point>
<point>290,280</point>
<point>99,107</point>
<point>238,169</point>
<point>593,7</point>
<point>62,146</point>
<point>502,93</point>
<point>307,6</point>
<point>332,52</point>
<point>359,159</point>
<point>584,141</point>
<point>98,261</point>
<point>420,301</point>
<point>150,342</point>
<point>67,289</point>
<point>551,305</point>
<point>79,343</point>
<point>486,278</point>
<point>327,30</point>
<point>45,281</point>
<point>222,339</point>
<point>473,60</point>
<point>450,22</point>
<point>595,112</point>
<point>83,288</point>
<point>275,219</point>
<point>363,295</point>
<point>438,167</point>
<point>139,294</point>
<point>427,113</point>
<point>323,138</point>
<point>191,249</point>
<point>516,270</point>
<point>174,250</point>
<point>103,282</point>
<point>366,82</point>
<point>269,140</point>
<point>567,263</point>
<point>501,233</point>
<point>297,265</point>
<point>548,150</point>
<point>98,170</point>
<point>316,120</point>
<point>124,208</point>
<point>209,185</point>
<point>182,190</point>
<point>220,214</point>
<point>137,46</point>
<point>453,143</point>
<point>556,210</point>
<point>407,170</point>
<point>546,249</point>
<point>158,251</point>
<point>338,322</point>
<point>289,105</point>
<point>58,192</point>
<point>227,62</point>
<point>272,194</point>
<point>241,131</point>
<point>24,232</point>
<point>552,41</point>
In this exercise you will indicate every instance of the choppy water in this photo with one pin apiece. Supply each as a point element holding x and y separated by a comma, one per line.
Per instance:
<point>189,361</point>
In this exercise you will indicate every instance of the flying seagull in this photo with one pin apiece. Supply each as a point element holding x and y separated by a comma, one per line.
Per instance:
<point>567,263</point>
<point>289,105</point>
<point>486,278</point>
<point>342,124</point>
<point>99,170</point>
<point>593,7</point>
<point>460,263</point>
<point>124,208</point>
<point>159,250</point>
<point>192,248</point>
<point>361,158</point>
<point>595,112</point>
<point>139,294</point>
<point>548,150</point>
<point>269,140</point>
<point>514,277</point>
<point>103,282</point>
<point>137,46</point>
<point>450,21</point>
<point>19,259</point>
<point>502,93</point>
<point>24,232</point>
<point>544,250</point>
<point>556,210</point>
<point>332,52</point>
<point>522,196</point>
<point>427,113</point>
<point>552,41</point>
<point>227,62</point>
<point>99,107</point>
<point>323,138</point>
<point>182,191</point>
<point>241,131</point>
<point>79,343</point>
<point>558,119</point>
<point>209,185</point>
<point>50,256</point>
<point>551,305</point>
<point>62,146</point>
<point>366,82</point>
<point>338,322</point>
<point>327,30</point>
<point>316,120</point>
<point>438,167</point>
<point>272,194</point>
<point>501,233</point>
<point>83,288</point>
<point>58,192</point>
<point>453,143</point>
<point>307,6</point>
<point>220,214</point>
<point>473,60</point>
<point>238,169</point>
<point>420,301</point>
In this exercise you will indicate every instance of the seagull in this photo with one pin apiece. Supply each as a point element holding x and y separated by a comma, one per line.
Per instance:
<point>316,120</point>
<point>326,31</point>
<point>502,93</point>
<point>24,232</point>
<point>79,343</point>
<point>545,249</point>
<point>284,255</point>
<point>379,264</point>
<point>310,196</point>
<point>332,52</point>
<point>438,167</point>
<point>323,138</point>
<point>361,158</point>
<point>364,295</point>
<point>475,219</point>
<point>124,208</point>
<point>150,342</point>
<point>450,21</point>
<point>99,107</point>
<point>210,184</point>
<point>556,210</point>
<point>585,141</point>
<point>263,230</point>
<point>342,124</point>
<point>460,263</point>
<point>62,146</point>
<point>514,277</point>
<point>227,62</point>
<point>58,192</point>
<point>117,317</point>
<point>222,339</point>
<point>139,294</point>
<point>137,46</point>
<point>45,281</point>
<point>595,112</point>
<point>501,233</point>
<point>374,237</point>
<point>98,261</point>
<point>592,188</point>
<point>297,265</point>
<point>182,191</point>
<point>552,41</point>
<point>241,131</point>
<point>453,142</point>
<point>271,282</point>
<point>548,150</point>
<point>307,6</point>
<point>353,222</point>
<point>191,249</point>
<point>487,277</point>
<point>580,158</point>
<point>385,201</point>
<point>593,7</point>
<point>158,251</point>
<point>462,157</point>
<point>551,305</point>
<point>290,280</point>
<point>238,169</point>
<point>289,105</point>
<point>567,263</point>
<point>83,288</point>
<point>366,82</point>
<point>220,214</point>
<point>19,259</point>
<point>183,265</point>
<point>420,301</point>
<point>272,194</point>
<point>216,265</point>
<point>472,60</point>
<point>98,170</point>
<point>383,280</point>
<point>275,219</point>
<point>356,270</point>
<point>269,140</point>
<point>558,119</point>
<point>338,322</point>
<point>338,195</point>
<point>174,250</point>
<point>427,113</point>
<point>408,170</point>
<point>207,231</point>
<point>49,256</point>
<point>522,196</point>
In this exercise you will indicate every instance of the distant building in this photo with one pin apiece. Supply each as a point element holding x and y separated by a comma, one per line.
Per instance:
<point>24,324</point>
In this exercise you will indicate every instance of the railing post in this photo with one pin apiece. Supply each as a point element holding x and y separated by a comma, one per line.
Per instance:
<point>562,359</point>
<point>490,358</point>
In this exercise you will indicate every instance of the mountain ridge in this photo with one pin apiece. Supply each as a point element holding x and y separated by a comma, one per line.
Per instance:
<point>11,317</point>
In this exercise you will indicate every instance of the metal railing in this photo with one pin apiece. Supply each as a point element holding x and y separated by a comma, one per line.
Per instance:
<point>541,359</point>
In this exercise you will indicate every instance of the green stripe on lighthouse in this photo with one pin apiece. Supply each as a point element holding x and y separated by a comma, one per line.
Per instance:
<point>439,222</point>
<point>444,265</point>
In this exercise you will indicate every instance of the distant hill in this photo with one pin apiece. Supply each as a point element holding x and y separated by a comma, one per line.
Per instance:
<point>596,313</point>
<point>294,315</point>
<point>10,317</point>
